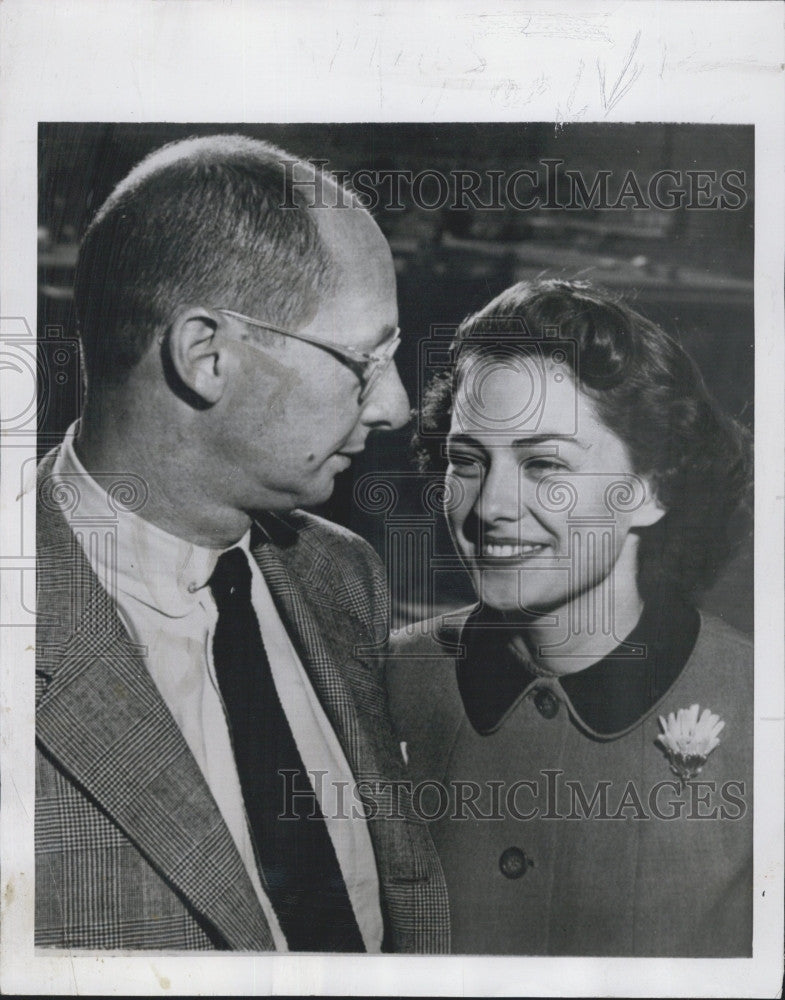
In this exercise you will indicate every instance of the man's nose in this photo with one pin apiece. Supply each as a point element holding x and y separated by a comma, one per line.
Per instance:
<point>387,407</point>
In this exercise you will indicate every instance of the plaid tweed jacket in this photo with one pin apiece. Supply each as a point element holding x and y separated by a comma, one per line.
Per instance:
<point>131,849</point>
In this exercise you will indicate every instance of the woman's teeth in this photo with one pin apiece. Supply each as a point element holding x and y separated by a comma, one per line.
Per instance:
<point>509,551</point>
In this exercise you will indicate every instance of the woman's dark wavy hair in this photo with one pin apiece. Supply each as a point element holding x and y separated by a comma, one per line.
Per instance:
<point>649,392</point>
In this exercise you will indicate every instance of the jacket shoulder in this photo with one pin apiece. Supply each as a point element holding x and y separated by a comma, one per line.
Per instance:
<point>336,552</point>
<point>717,635</point>
<point>719,676</point>
<point>315,530</point>
<point>424,700</point>
<point>723,659</point>
<point>337,566</point>
<point>437,636</point>
<point>52,530</point>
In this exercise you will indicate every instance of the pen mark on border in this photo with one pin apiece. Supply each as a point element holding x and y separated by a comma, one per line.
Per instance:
<point>624,81</point>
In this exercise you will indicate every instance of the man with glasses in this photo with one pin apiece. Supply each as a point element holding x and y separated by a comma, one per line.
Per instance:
<point>216,765</point>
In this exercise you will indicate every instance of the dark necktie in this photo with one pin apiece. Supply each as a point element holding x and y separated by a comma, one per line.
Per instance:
<point>296,857</point>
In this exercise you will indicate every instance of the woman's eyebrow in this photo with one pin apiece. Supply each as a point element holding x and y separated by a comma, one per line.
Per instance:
<point>536,439</point>
<point>464,439</point>
<point>456,440</point>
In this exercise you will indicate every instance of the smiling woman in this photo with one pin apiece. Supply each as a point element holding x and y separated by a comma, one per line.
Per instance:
<point>589,487</point>
<point>528,513</point>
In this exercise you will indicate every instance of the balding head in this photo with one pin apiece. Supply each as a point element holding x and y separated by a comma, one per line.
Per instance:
<point>359,255</point>
<point>217,220</point>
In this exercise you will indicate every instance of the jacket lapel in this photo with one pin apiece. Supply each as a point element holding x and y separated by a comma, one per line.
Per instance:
<point>324,640</point>
<point>351,691</point>
<point>102,719</point>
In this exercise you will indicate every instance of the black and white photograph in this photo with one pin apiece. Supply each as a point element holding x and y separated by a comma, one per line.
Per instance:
<point>399,498</point>
<point>569,722</point>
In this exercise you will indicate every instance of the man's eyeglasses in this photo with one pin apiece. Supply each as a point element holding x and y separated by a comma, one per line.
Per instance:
<point>369,368</point>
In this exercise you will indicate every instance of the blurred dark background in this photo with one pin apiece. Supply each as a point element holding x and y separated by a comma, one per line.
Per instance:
<point>688,268</point>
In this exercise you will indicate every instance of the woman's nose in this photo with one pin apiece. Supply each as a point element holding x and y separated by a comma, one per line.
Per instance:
<point>504,494</point>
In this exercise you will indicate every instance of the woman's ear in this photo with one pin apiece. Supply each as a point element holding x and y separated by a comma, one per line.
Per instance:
<point>195,353</point>
<point>651,510</point>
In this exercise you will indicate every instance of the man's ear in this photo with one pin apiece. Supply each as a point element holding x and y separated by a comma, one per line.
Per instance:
<point>196,356</point>
<point>651,510</point>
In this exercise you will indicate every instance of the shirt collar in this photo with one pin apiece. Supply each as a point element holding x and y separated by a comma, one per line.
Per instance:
<point>606,699</point>
<point>140,560</point>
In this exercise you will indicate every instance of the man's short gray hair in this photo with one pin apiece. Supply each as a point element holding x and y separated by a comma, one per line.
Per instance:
<point>217,220</point>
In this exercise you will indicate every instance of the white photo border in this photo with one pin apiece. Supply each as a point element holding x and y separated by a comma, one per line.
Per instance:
<point>389,60</point>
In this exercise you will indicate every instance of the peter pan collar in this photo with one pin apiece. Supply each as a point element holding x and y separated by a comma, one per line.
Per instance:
<point>604,700</point>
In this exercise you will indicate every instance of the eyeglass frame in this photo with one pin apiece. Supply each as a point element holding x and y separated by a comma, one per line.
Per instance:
<point>358,360</point>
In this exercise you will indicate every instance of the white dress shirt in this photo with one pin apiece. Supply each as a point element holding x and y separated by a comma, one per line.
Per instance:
<point>160,585</point>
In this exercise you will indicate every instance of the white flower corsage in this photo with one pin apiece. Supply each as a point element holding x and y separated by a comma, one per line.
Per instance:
<point>688,740</point>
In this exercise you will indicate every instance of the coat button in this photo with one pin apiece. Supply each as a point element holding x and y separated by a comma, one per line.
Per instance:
<point>547,703</point>
<point>513,863</point>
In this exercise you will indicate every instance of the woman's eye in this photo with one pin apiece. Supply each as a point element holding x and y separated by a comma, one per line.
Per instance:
<point>543,466</point>
<point>465,465</point>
